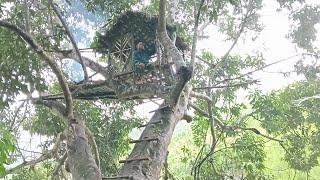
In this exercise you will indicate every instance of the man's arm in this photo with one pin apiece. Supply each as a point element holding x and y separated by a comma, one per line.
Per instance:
<point>135,58</point>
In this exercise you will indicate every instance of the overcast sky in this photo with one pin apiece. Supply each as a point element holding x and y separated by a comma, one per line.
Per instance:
<point>271,42</point>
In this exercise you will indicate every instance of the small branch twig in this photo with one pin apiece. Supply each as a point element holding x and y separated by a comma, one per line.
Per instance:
<point>256,131</point>
<point>201,96</point>
<point>58,167</point>
<point>265,66</point>
<point>206,62</point>
<point>46,155</point>
<point>229,85</point>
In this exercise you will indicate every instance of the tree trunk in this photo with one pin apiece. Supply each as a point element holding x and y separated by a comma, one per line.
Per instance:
<point>155,151</point>
<point>81,162</point>
<point>147,157</point>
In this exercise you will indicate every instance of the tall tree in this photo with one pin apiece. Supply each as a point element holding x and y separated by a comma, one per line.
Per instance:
<point>34,37</point>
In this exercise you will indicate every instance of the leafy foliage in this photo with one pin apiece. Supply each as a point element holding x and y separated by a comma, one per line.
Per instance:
<point>234,156</point>
<point>41,172</point>
<point>290,114</point>
<point>243,158</point>
<point>199,129</point>
<point>110,126</point>
<point>304,32</point>
<point>7,146</point>
<point>296,123</point>
<point>18,69</point>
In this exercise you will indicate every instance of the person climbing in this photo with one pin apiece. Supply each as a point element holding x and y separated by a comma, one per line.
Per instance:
<point>141,62</point>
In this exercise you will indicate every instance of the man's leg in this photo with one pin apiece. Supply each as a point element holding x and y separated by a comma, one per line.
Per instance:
<point>138,72</point>
<point>151,68</point>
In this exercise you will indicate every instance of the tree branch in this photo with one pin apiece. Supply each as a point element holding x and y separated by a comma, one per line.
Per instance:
<point>201,96</point>
<point>58,167</point>
<point>88,63</point>
<point>57,71</point>
<point>199,110</point>
<point>206,62</point>
<point>58,107</point>
<point>94,146</point>
<point>47,155</point>
<point>223,126</point>
<point>205,114</point>
<point>263,67</point>
<point>56,10</point>
<point>242,26</point>
<point>195,34</point>
<point>256,131</point>
<point>164,38</point>
<point>226,86</point>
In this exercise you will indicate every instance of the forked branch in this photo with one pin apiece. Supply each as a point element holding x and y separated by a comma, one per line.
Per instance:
<point>57,71</point>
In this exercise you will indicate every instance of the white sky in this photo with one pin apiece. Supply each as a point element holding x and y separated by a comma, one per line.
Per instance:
<point>271,42</point>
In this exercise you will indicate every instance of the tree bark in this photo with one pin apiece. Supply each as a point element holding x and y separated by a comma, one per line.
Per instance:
<point>155,151</point>
<point>170,112</point>
<point>81,162</point>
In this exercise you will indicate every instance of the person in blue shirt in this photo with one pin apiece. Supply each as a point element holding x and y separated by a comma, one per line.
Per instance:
<point>141,60</point>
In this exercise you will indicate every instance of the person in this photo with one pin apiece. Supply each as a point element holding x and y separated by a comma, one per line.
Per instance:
<point>141,61</point>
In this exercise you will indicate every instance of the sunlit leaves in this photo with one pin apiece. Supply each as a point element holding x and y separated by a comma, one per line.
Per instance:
<point>6,148</point>
<point>45,122</point>
<point>243,156</point>
<point>200,127</point>
<point>296,123</point>
<point>303,151</point>
<point>236,157</point>
<point>18,67</point>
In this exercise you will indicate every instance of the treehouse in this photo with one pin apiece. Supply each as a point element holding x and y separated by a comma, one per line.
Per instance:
<point>118,45</point>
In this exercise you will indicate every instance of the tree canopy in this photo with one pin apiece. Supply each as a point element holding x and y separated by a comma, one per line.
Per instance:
<point>64,80</point>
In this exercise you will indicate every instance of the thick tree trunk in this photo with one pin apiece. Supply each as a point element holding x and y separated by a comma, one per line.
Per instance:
<point>155,151</point>
<point>148,156</point>
<point>81,162</point>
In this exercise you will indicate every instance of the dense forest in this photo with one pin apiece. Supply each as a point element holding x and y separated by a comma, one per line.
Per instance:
<point>156,89</point>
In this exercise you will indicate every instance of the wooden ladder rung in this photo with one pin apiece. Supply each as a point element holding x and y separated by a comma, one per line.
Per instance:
<point>122,74</point>
<point>144,125</point>
<point>135,159</point>
<point>118,177</point>
<point>142,140</point>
